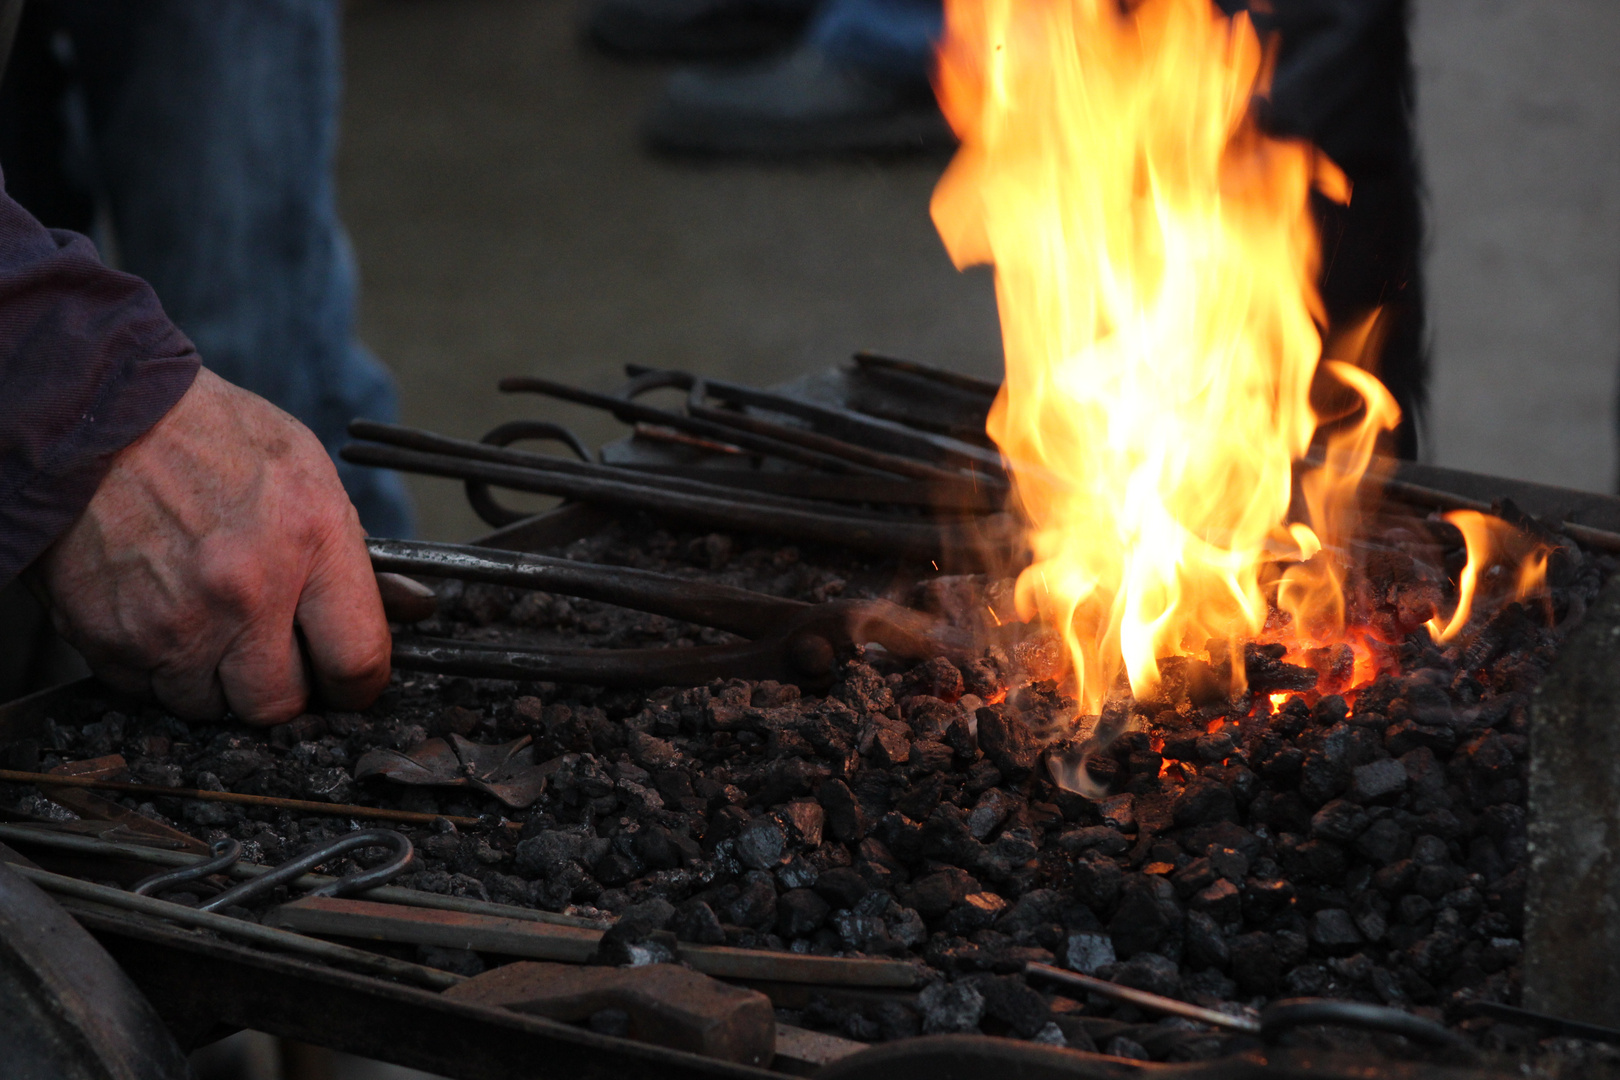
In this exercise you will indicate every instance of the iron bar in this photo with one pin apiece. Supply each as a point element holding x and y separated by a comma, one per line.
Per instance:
<point>851,426</point>
<point>284,940</point>
<point>955,379</point>
<point>719,512</point>
<point>959,498</point>
<point>1144,999</point>
<point>33,835</point>
<point>739,611</point>
<point>431,442</point>
<point>633,411</point>
<point>47,781</point>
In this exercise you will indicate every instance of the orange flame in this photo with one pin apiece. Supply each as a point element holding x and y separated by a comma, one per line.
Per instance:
<point>1155,265</point>
<point>1493,546</point>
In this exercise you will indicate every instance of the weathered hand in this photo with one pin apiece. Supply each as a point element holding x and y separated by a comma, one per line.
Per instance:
<point>216,541</point>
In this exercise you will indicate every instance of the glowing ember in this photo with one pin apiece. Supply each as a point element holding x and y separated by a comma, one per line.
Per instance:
<point>1155,264</point>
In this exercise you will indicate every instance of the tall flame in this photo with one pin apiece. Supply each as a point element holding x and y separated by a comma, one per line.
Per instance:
<point>1155,264</point>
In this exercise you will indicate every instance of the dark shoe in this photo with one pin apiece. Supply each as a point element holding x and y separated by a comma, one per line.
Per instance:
<point>694,29</point>
<point>797,105</point>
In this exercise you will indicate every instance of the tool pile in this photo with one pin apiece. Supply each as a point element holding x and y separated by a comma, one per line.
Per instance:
<point>865,828</point>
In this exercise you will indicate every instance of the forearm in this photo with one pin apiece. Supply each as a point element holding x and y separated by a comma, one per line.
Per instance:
<point>88,364</point>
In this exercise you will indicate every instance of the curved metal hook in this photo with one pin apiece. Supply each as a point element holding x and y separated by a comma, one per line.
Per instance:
<point>224,853</point>
<point>483,503</point>
<point>294,869</point>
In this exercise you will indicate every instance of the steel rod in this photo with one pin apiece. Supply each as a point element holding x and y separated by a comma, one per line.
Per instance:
<point>739,611</point>
<point>430,442</point>
<point>634,411</point>
<point>1144,999</point>
<point>960,381</point>
<point>826,444</point>
<point>284,940</point>
<point>307,806</point>
<point>599,667</point>
<point>880,537</point>
<point>962,497</point>
<point>849,425</point>
<point>85,845</point>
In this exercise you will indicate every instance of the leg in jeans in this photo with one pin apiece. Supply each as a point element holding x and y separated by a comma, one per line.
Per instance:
<point>890,39</point>
<point>212,130</point>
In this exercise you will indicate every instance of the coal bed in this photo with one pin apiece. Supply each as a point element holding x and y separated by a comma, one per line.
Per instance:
<point>1304,838</point>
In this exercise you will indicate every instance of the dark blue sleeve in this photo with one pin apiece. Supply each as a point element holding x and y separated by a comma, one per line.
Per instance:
<point>88,363</point>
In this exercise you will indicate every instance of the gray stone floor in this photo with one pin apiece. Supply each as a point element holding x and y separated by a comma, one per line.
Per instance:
<point>507,222</point>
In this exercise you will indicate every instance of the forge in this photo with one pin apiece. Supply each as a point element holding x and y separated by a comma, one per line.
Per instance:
<point>1135,714</point>
<point>902,799</point>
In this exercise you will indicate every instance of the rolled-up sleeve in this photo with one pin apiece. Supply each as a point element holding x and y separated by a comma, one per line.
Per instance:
<point>88,364</point>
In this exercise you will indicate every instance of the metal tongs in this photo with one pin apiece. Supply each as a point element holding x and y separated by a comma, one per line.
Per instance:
<point>791,641</point>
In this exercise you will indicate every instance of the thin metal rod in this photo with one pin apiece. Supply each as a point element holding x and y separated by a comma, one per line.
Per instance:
<point>862,534</point>
<point>860,455</point>
<point>849,425</point>
<point>634,411</point>
<point>307,806</point>
<point>283,940</point>
<point>430,442</point>
<point>961,497</point>
<point>28,835</point>
<point>956,379</point>
<point>1420,495</point>
<point>599,667</point>
<point>404,853</point>
<point>223,854</point>
<point>1143,999</point>
<point>738,611</point>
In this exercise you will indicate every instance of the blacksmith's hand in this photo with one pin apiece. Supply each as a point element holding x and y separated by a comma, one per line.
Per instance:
<point>215,542</point>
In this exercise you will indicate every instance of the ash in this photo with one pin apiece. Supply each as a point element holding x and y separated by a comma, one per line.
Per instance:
<point>1364,845</point>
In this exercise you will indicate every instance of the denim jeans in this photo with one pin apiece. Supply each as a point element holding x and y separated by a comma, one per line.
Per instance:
<point>206,130</point>
<point>893,39</point>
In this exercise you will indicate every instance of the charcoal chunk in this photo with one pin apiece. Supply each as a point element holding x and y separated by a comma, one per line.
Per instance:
<point>1204,800</point>
<point>1087,951</point>
<point>1206,944</point>
<point>1097,884</point>
<point>696,921</point>
<point>977,911</point>
<point>1006,741</point>
<point>845,821</point>
<point>1340,821</point>
<point>950,1008</point>
<point>755,905</point>
<point>1103,839</point>
<point>1150,972</point>
<point>761,845</point>
<point>1385,841</point>
<point>1378,781</point>
<point>935,894</point>
<point>800,913</point>
<point>842,887</point>
<point>1221,901</point>
<point>1012,1001</point>
<point>1146,915</point>
<point>1335,932</point>
<point>1254,963</point>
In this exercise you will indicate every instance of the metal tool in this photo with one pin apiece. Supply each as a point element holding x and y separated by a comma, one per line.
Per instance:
<point>793,641</point>
<point>293,869</point>
<point>664,1004</point>
<point>719,508</point>
<point>1275,1019</point>
<point>223,855</point>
